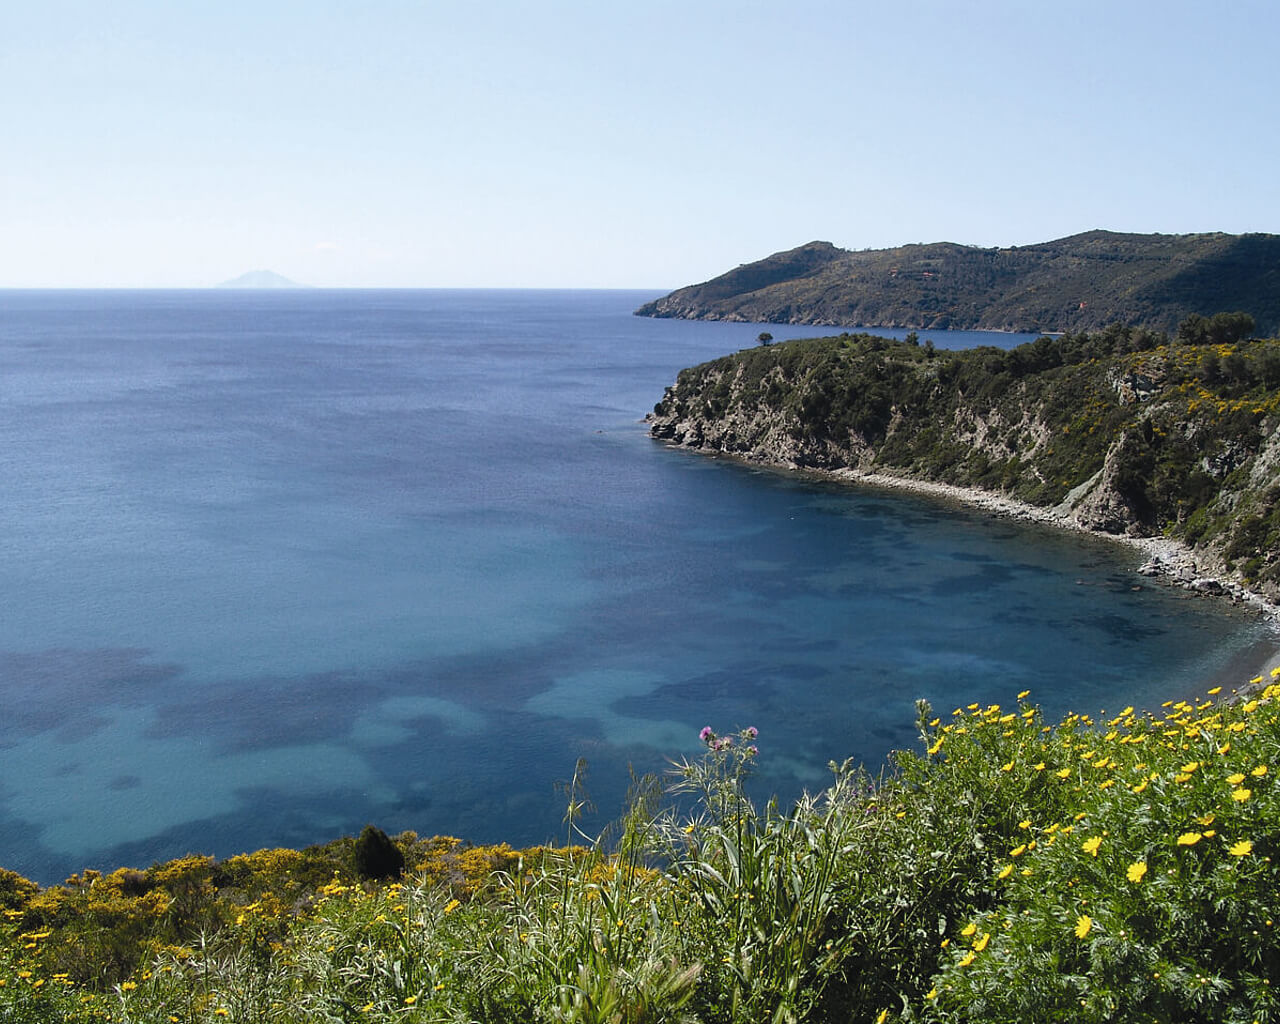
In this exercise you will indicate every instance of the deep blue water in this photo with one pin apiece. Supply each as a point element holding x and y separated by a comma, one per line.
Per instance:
<point>276,565</point>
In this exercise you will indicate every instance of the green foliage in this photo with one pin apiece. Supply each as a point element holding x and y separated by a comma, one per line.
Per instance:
<point>1006,871</point>
<point>1178,428</point>
<point>376,856</point>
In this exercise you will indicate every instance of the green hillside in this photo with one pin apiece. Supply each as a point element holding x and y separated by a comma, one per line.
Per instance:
<point>1085,281</point>
<point>1124,431</point>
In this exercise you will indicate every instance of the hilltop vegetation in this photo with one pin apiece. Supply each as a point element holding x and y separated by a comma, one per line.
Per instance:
<point>1007,871</point>
<point>1085,281</point>
<point>1125,431</point>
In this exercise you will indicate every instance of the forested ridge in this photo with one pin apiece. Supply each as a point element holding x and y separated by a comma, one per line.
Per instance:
<point>1085,281</point>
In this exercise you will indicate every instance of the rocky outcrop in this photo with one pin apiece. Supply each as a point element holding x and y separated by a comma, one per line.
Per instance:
<point>1132,445</point>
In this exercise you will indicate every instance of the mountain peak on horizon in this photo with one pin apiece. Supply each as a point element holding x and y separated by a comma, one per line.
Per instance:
<point>261,279</point>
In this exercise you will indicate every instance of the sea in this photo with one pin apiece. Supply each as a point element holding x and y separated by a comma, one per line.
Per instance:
<point>277,565</point>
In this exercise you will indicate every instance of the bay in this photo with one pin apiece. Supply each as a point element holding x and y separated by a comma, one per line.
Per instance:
<point>276,565</point>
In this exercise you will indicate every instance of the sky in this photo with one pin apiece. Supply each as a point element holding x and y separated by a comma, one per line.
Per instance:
<point>611,145</point>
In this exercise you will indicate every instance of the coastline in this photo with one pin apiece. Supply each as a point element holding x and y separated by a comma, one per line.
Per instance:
<point>1168,560</point>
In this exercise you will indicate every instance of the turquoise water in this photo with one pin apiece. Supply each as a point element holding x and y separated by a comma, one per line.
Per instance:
<point>277,565</point>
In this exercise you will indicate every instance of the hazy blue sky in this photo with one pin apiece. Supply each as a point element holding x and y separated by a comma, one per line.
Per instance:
<point>606,144</point>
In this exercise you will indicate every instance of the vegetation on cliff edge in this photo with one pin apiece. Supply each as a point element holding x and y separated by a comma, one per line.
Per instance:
<point>1006,871</point>
<point>1124,430</point>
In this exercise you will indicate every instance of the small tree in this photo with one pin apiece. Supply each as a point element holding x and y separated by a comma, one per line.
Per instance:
<point>376,855</point>
<point>765,338</point>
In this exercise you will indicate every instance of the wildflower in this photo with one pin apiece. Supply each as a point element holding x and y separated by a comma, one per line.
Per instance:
<point>1259,772</point>
<point>1189,838</point>
<point>410,1000</point>
<point>1007,767</point>
<point>968,929</point>
<point>1084,925</point>
<point>451,906</point>
<point>1005,871</point>
<point>128,986</point>
<point>1090,845</point>
<point>707,735</point>
<point>222,1011</point>
<point>1064,773</point>
<point>1241,795</point>
<point>1137,870</point>
<point>981,944</point>
<point>1241,849</point>
<point>750,732</point>
<point>1236,779</point>
<point>967,959</point>
<point>884,1016</point>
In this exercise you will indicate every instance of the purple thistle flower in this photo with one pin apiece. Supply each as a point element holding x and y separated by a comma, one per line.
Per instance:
<point>750,732</point>
<point>707,736</point>
<point>752,751</point>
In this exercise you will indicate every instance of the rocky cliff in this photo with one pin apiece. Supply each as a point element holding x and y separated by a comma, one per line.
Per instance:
<point>1121,431</point>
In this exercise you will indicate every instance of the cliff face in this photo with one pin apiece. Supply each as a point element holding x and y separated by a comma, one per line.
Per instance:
<point>1178,441</point>
<point>1081,282</point>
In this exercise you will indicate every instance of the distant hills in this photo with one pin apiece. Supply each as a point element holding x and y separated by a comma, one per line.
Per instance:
<point>261,279</point>
<point>1081,282</point>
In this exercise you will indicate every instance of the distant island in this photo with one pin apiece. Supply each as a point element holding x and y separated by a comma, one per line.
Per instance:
<point>260,279</point>
<point>1083,282</point>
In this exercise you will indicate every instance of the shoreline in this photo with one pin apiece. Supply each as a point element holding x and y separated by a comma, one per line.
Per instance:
<point>1169,561</point>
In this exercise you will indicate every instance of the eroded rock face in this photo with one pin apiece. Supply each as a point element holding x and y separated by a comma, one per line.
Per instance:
<point>801,408</point>
<point>1104,507</point>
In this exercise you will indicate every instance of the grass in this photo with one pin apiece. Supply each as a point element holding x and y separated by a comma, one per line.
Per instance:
<point>1117,869</point>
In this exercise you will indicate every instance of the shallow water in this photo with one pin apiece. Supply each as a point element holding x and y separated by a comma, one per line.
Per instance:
<point>277,565</point>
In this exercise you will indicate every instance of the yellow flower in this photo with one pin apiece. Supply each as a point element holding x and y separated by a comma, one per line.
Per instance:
<point>1215,691</point>
<point>451,906</point>
<point>884,1016</point>
<point>1241,795</point>
<point>1005,871</point>
<point>1141,786</point>
<point>1189,838</point>
<point>967,959</point>
<point>1064,773</point>
<point>1259,772</point>
<point>1236,779</point>
<point>1084,924</point>
<point>981,944</point>
<point>1241,849</point>
<point>1007,767</point>
<point>1090,845</point>
<point>1018,851</point>
<point>968,929</point>
<point>1137,870</point>
<point>128,986</point>
<point>410,1000</point>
